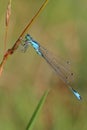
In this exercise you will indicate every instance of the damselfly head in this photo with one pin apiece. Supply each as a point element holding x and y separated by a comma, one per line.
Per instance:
<point>24,43</point>
<point>28,38</point>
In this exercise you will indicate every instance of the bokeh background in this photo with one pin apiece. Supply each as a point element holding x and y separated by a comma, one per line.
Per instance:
<point>62,28</point>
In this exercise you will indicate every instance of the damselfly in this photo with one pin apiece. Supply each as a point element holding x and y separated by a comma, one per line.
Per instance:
<point>62,72</point>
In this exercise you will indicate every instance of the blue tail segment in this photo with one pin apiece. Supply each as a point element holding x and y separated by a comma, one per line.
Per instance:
<point>77,95</point>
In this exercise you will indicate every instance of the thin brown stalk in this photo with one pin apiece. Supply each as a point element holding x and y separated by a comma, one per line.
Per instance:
<point>16,44</point>
<point>7,19</point>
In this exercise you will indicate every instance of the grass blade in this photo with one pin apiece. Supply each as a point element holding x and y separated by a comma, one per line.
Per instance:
<point>37,110</point>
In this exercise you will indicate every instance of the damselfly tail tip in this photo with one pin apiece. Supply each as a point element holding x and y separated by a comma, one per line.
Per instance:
<point>78,96</point>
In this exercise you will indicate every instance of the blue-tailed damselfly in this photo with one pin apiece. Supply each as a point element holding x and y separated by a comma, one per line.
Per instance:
<point>63,73</point>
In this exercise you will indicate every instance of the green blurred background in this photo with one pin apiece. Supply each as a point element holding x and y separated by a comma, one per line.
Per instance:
<point>62,28</point>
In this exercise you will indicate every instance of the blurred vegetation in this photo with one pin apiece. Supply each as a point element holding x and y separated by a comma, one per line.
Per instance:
<point>62,28</point>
